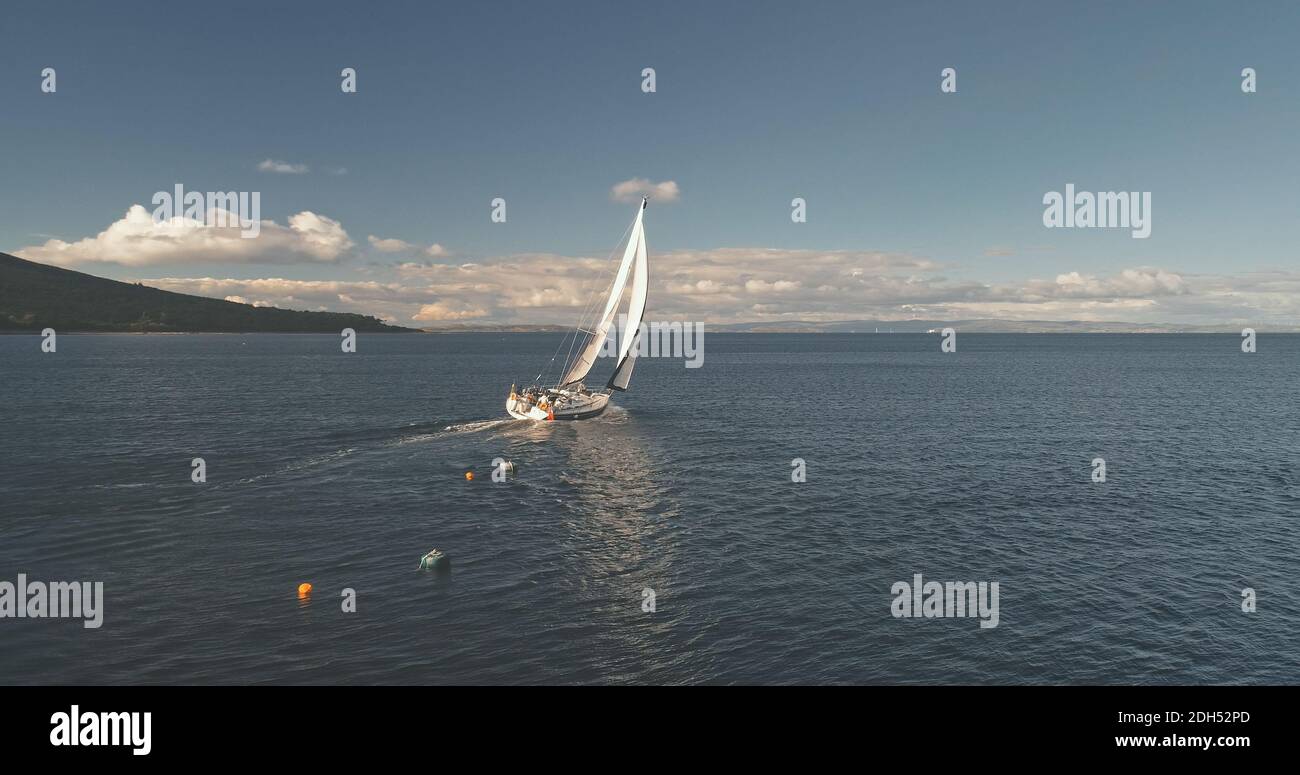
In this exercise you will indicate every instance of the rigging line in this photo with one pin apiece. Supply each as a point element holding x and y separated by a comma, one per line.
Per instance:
<point>590,306</point>
<point>546,369</point>
<point>587,307</point>
<point>608,270</point>
<point>574,334</point>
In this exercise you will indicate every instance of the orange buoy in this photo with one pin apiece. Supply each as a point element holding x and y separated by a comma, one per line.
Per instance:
<point>304,589</point>
<point>469,476</point>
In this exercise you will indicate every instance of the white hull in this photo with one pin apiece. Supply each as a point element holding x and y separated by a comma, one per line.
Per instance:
<point>570,406</point>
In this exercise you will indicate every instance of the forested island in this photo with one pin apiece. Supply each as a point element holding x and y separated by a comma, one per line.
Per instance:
<point>36,296</point>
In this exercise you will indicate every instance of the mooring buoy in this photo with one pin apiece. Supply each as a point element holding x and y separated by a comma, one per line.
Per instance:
<point>434,560</point>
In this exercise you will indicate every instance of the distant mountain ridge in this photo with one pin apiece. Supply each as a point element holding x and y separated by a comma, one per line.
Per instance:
<point>35,296</point>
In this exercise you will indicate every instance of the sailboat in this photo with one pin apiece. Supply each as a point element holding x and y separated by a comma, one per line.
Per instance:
<point>570,398</point>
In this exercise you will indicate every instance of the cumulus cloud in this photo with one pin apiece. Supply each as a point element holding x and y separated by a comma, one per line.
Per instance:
<point>393,245</point>
<point>723,284</point>
<point>283,167</point>
<point>720,285</point>
<point>252,302</point>
<point>753,285</point>
<point>364,297</point>
<point>444,310</point>
<point>389,245</point>
<point>632,190</point>
<point>1130,283</point>
<point>137,240</point>
<point>743,284</point>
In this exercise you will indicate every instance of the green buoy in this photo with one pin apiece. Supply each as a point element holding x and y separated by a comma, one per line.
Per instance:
<point>434,560</point>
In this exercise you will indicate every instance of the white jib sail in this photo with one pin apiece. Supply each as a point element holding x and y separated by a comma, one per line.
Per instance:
<point>635,314</point>
<point>578,371</point>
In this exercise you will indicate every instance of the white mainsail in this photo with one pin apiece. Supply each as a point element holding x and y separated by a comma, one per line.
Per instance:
<point>635,314</point>
<point>634,252</point>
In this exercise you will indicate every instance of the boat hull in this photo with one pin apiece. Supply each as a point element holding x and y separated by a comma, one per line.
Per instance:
<point>584,409</point>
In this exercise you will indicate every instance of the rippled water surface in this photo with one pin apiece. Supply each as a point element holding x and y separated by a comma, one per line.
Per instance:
<point>343,469</point>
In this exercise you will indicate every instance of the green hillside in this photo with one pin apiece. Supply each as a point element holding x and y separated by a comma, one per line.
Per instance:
<point>35,296</point>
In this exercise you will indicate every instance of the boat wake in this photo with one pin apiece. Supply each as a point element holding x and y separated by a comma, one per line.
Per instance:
<point>481,425</point>
<point>464,428</point>
<point>296,467</point>
<point>352,442</point>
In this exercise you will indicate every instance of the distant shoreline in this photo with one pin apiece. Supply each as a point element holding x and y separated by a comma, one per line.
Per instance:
<point>204,333</point>
<point>1231,332</point>
<point>928,326</point>
<point>925,333</point>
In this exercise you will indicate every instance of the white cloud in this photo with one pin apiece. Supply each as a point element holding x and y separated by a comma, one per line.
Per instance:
<point>283,167</point>
<point>717,285</point>
<point>254,302</point>
<point>365,297</point>
<point>743,285</point>
<point>137,240</point>
<point>389,245</point>
<point>632,190</point>
<point>721,284</point>
<point>443,310</point>
<point>393,245</point>
<point>1129,283</point>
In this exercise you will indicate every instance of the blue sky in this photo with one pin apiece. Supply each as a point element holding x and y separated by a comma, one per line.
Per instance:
<point>756,103</point>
